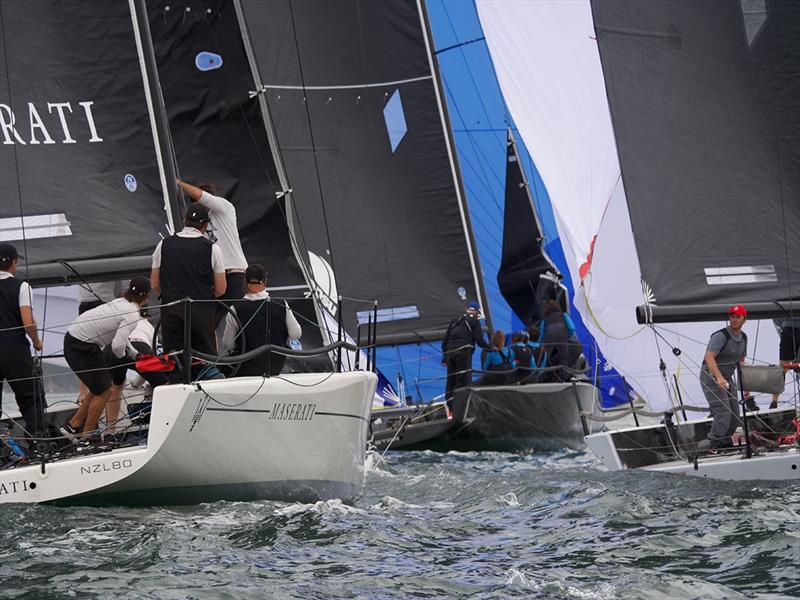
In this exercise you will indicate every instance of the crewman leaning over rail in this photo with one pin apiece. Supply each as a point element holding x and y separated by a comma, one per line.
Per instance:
<point>109,323</point>
<point>16,362</point>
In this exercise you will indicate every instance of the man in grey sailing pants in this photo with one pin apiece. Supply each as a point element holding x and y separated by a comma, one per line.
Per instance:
<point>16,362</point>
<point>726,348</point>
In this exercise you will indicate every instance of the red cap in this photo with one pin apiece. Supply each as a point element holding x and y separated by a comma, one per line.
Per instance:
<point>738,309</point>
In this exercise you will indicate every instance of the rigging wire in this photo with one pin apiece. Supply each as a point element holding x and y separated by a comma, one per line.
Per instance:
<point>3,38</point>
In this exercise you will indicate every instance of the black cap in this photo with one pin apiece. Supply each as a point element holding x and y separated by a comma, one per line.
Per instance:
<point>197,213</point>
<point>139,286</point>
<point>7,254</point>
<point>255,273</point>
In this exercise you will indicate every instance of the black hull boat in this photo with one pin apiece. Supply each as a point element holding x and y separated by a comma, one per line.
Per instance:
<point>409,427</point>
<point>505,418</point>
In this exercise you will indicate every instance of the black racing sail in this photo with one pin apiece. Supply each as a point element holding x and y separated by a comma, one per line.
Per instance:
<point>527,277</point>
<point>705,101</point>
<point>221,136</point>
<point>83,168</point>
<point>355,98</point>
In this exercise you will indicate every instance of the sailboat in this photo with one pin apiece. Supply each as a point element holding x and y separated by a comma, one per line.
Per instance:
<point>87,192</point>
<point>547,413</point>
<point>703,99</point>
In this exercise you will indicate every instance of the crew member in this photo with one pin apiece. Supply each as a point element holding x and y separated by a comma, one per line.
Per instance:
<point>109,323</point>
<point>264,322</point>
<point>557,337</point>
<point>223,221</point>
<point>500,360</point>
<point>188,265</point>
<point>458,345</point>
<point>523,354</point>
<point>92,295</point>
<point>16,362</point>
<point>139,342</point>
<point>726,348</point>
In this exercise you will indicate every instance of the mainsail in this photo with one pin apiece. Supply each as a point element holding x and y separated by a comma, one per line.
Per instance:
<point>705,100</point>
<point>359,120</point>
<point>84,175</point>
<point>524,257</point>
<point>221,136</point>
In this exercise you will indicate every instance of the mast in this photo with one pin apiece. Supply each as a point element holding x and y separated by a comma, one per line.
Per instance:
<point>159,121</point>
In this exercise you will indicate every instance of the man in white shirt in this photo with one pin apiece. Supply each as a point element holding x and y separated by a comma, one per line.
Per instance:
<point>258,314</point>
<point>225,228</point>
<point>109,324</point>
<point>92,295</point>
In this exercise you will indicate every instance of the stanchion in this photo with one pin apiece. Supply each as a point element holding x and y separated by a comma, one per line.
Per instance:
<point>748,451</point>
<point>187,341</point>
<point>375,337</point>
<point>339,334</point>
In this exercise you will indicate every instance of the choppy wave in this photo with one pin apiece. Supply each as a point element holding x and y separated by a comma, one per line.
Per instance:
<point>429,525</point>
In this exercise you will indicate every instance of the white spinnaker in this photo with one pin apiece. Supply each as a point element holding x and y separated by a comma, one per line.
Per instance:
<point>548,65</point>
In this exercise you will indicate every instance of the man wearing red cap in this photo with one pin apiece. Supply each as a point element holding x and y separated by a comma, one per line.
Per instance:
<point>726,348</point>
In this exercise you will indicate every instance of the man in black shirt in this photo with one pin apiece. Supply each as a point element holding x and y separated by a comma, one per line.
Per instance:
<point>264,322</point>
<point>188,265</point>
<point>16,362</point>
<point>458,345</point>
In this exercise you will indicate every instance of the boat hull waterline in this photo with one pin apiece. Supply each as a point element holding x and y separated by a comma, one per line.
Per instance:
<point>296,437</point>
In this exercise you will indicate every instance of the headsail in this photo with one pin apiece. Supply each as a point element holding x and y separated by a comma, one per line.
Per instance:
<point>524,257</point>
<point>81,164</point>
<point>357,110</point>
<point>705,100</point>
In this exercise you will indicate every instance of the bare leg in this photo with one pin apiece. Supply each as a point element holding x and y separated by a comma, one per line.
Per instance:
<point>112,408</point>
<point>79,417</point>
<point>95,411</point>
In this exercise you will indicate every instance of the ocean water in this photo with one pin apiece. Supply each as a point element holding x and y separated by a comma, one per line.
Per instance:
<point>428,525</point>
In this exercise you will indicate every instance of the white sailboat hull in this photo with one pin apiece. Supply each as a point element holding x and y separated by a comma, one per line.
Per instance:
<point>298,437</point>
<point>774,464</point>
